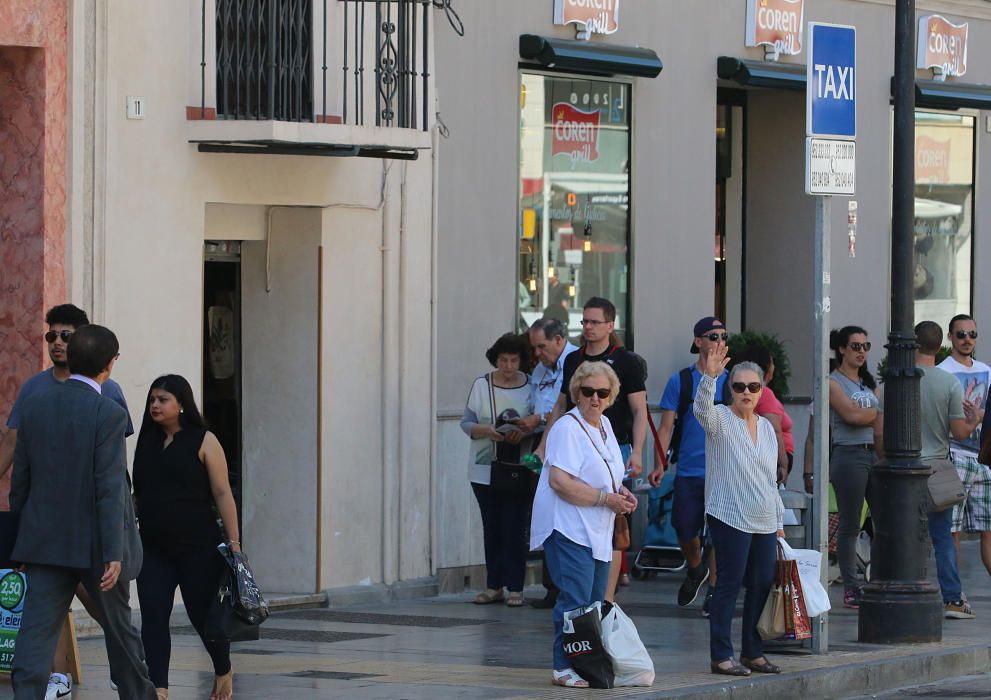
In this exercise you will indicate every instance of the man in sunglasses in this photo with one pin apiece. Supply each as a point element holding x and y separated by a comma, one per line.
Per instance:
<point>974,514</point>
<point>62,320</point>
<point>681,432</point>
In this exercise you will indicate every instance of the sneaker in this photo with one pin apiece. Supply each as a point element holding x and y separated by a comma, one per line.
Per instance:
<point>689,590</point>
<point>706,602</point>
<point>851,598</point>
<point>959,610</point>
<point>59,686</point>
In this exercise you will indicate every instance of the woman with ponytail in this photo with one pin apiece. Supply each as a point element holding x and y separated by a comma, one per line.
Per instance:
<point>854,412</point>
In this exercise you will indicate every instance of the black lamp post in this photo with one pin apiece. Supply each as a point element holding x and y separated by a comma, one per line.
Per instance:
<point>899,604</point>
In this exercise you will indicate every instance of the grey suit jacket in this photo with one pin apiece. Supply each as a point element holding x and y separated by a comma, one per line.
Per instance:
<point>69,483</point>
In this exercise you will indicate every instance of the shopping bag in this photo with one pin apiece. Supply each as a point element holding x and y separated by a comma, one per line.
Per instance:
<point>583,646</point>
<point>630,661</point>
<point>797,623</point>
<point>809,563</point>
<point>248,601</point>
<point>771,624</point>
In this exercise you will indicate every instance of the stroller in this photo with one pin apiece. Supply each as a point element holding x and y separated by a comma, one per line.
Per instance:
<point>660,550</point>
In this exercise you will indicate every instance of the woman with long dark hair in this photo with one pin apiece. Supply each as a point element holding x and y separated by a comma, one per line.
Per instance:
<point>854,407</point>
<point>180,488</point>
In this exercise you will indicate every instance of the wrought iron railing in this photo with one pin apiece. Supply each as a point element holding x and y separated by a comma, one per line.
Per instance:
<point>362,62</point>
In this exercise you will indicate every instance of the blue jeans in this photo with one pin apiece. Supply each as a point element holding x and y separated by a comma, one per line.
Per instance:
<point>946,555</point>
<point>745,559</point>
<point>505,517</point>
<point>582,581</point>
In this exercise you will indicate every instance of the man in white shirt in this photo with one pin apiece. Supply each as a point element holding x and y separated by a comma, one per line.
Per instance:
<point>549,339</point>
<point>974,514</point>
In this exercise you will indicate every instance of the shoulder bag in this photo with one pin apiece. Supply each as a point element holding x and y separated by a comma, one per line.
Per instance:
<point>944,486</point>
<point>621,529</point>
<point>507,477</point>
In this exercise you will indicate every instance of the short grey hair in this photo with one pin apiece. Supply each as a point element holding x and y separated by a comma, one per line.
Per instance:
<point>747,367</point>
<point>551,327</point>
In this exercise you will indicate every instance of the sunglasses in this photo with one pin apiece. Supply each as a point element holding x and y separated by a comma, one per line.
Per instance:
<point>857,347</point>
<point>715,337</point>
<point>588,392</point>
<point>963,334</point>
<point>752,387</point>
<point>51,336</point>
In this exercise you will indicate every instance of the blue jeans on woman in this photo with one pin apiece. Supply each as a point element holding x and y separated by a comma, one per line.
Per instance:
<point>581,579</point>
<point>742,558</point>
<point>946,555</point>
<point>505,517</point>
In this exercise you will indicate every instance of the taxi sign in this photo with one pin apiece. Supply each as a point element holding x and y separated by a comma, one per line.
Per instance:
<point>831,81</point>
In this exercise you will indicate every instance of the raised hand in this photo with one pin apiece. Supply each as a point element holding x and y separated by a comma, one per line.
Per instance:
<point>716,359</point>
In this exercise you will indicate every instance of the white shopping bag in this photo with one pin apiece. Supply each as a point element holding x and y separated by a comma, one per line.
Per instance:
<point>809,564</point>
<point>630,660</point>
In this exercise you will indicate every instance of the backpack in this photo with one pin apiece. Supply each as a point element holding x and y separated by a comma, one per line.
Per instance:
<point>684,401</point>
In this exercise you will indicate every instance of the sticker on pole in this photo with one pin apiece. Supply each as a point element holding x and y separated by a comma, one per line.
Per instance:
<point>13,588</point>
<point>830,166</point>
<point>831,81</point>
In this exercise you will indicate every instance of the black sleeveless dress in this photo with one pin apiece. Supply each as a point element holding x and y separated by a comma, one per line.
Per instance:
<point>172,493</point>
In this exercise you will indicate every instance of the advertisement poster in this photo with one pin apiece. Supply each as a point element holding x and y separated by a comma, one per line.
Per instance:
<point>13,586</point>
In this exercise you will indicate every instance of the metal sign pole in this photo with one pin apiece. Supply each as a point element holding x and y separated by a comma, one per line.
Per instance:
<point>820,404</point>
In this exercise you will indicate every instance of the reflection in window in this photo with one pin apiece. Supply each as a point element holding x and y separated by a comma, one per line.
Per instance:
<point>944,193</point>
<point>574,198</point>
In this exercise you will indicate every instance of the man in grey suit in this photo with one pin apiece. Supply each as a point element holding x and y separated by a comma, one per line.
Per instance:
<point>69,488</point>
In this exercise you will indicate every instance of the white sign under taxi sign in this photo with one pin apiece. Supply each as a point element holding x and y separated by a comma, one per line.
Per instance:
<point>831,166</point>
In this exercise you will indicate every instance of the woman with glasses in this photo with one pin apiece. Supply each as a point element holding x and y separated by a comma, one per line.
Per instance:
<point>742,506</point>
<point>496,403</point>
<point>578,497</point>
<point>854,412</point>
<point>180,488</point>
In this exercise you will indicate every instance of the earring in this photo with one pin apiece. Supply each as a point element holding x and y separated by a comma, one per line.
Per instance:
<point>181,410</point>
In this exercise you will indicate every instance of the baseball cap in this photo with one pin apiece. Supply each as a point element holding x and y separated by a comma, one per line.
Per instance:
<point>703,326</point>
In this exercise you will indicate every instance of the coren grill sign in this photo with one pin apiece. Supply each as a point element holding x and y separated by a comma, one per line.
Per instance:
<point>776,24</point>
<point>592,16</point>
<point>575,133</point>
<point>942,45</point>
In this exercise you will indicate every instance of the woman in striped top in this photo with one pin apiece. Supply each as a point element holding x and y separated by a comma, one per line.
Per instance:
<point>742,507</point>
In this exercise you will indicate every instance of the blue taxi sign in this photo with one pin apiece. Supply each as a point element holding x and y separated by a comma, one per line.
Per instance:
<point>831,81</point>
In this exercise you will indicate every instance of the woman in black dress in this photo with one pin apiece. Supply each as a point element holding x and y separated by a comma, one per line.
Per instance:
<point>180,487</point>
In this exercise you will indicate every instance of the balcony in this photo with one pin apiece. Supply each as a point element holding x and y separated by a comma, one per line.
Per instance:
<point>313,77</point>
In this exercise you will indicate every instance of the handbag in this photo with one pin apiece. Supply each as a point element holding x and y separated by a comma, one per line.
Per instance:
<point>512,478</point>
<point>222,622</point>
<point>944,486</point>
<point>621,527</point>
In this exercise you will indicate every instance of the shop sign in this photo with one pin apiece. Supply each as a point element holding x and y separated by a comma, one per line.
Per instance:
<point>591,16</point>
<point>942,45</point>
<point>932,160</point>
<point>776,24</point>
<point>575,133</point>
<point>830,166</point>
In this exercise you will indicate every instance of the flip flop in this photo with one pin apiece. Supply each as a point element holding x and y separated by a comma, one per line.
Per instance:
<point>765,667</point>
<point>568,678</point>
<point>488,596</point>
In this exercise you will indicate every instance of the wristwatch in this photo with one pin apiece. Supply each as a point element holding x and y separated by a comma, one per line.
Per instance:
<point>543,421</point>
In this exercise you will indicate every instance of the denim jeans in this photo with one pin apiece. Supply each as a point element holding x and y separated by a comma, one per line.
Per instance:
<point>505,517</point>
<point>581,578</point>
<point>744,559</point>
<point>946,555</point>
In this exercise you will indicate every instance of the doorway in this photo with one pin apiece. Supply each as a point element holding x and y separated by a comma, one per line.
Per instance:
<point>729,246</point>
<point>222,353</point>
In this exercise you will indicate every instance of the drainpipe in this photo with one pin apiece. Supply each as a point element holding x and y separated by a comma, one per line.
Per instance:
<point>389,399</point>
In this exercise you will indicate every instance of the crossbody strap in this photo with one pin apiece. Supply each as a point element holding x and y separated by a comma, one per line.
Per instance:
<point>492,404</point>
<point>602,456</point>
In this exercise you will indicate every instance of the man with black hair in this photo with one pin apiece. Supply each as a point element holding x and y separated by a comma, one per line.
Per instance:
<point>83,532</point>
<point>63,320</point>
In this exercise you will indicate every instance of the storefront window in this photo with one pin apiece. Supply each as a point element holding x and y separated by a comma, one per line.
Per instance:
<point>574,216</point>
<point>944,194</point>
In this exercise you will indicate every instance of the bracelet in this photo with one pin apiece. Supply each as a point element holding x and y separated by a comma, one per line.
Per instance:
<point>602,499</point>
<point>237,542</point>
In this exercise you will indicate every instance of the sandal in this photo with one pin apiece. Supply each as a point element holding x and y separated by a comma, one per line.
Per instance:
<point>734,669</point>
<point>489,595</point>
<point>223,687</point>
<point>568,678</point>
<point>761,667</point>
<point>515,599</point>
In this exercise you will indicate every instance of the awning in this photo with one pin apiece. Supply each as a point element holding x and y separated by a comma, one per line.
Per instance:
<point>781,76</point>
<point>936,94</point>
<point>590,57</point>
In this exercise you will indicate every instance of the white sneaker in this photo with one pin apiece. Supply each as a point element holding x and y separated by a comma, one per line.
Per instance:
<point>59,686</point>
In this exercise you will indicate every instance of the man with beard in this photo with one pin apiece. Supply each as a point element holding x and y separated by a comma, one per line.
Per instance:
<point>62,320</point>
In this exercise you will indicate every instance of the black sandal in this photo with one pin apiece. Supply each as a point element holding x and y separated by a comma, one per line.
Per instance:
<point>766,667</point>
<point>734,670</point>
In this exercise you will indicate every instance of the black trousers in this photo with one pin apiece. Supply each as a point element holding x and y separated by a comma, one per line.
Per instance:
<point>197,574</point>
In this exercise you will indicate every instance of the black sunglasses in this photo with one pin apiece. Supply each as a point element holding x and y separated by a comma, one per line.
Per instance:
<point>857,347</point>
<point>50,336</point>
<point>960,335</point>
<point>752,387</point>
<point>588,392</point>
<point>714,337</point>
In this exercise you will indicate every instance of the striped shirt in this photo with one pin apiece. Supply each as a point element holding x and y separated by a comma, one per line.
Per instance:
<point>740,476</point>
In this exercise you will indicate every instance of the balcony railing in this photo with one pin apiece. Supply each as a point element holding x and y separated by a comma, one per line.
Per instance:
<point>358,62</point>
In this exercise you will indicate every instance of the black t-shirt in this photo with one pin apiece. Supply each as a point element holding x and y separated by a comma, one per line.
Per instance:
<point>631,381</point>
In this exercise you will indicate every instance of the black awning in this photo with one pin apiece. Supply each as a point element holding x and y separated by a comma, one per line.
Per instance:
<point>936,94</point>
<point>588,57</point>
<point>781,76</point>
<point>286,148</point>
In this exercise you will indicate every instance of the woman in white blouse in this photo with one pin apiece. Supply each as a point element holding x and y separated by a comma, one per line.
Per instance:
<point>743,509</point>
<point>578,497</point>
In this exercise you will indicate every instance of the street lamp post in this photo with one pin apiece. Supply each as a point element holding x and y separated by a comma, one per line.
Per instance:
<point>899,604</point>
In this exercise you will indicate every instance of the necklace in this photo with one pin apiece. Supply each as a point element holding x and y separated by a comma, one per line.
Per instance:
<point>602,432</point>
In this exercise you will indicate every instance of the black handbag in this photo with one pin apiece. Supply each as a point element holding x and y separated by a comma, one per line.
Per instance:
<point>222,622</point>
<point>512,478</point>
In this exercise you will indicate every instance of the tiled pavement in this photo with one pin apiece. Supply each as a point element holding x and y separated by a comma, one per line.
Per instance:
<point>445,647</point>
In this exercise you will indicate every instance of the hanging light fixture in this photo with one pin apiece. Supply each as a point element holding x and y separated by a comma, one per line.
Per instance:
<point>532,284</point>
<point>587,231</point>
